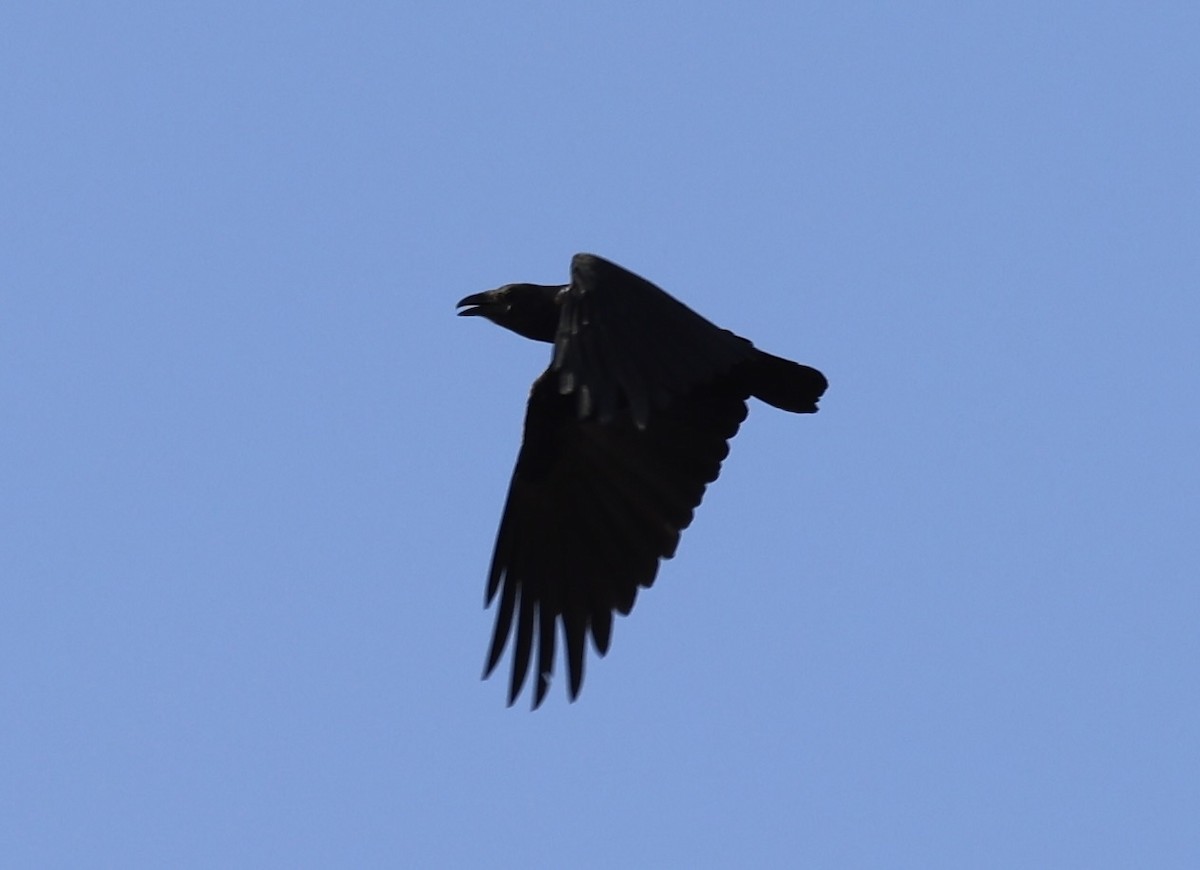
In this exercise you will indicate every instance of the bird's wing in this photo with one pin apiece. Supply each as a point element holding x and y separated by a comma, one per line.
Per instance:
<point>623,342</point>
<point>592,508</point>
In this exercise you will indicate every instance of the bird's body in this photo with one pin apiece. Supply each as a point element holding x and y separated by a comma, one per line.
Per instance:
<point>623,432</point>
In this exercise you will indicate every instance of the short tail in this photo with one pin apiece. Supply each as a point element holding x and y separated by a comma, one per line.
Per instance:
<point>785,384</point>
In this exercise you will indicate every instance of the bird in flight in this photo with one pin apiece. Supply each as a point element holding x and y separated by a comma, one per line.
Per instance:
<point>623,432</point>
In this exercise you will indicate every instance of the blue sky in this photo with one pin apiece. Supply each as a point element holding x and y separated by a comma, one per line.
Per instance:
<point>252,465</point>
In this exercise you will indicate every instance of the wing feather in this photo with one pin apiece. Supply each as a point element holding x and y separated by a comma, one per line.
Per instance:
<point>592,509</point>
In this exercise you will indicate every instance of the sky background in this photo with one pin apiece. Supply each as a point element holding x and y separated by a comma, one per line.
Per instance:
<point>251,465</point>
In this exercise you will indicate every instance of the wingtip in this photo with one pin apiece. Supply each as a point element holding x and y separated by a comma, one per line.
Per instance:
<point>541,690</point>
<point>585,265</point>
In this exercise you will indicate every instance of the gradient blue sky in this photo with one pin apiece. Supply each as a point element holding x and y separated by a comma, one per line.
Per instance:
<point>251,465</point>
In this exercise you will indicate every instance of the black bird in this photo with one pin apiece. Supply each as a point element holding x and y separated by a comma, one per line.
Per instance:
<point>623,432</point>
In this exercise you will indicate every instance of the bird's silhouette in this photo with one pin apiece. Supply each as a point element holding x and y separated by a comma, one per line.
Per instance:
<point>623,432</point>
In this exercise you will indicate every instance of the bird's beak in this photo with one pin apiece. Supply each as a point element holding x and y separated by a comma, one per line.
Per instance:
<point>479,303</point>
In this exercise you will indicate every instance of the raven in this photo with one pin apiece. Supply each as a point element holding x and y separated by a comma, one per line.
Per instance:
<point>623,432</point>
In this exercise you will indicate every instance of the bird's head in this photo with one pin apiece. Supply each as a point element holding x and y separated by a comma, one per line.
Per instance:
<point>530,310</point>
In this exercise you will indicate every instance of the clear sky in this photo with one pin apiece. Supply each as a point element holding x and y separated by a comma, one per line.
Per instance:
<point>251,464</point>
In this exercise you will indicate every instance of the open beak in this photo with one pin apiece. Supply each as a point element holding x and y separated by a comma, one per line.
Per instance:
<point>478,302</point>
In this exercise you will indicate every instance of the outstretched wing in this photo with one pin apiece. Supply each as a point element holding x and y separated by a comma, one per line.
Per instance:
<point>624,343</point>
<point>592,508</point>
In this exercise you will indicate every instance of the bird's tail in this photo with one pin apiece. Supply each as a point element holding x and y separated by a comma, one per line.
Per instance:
<point>785,384</point>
